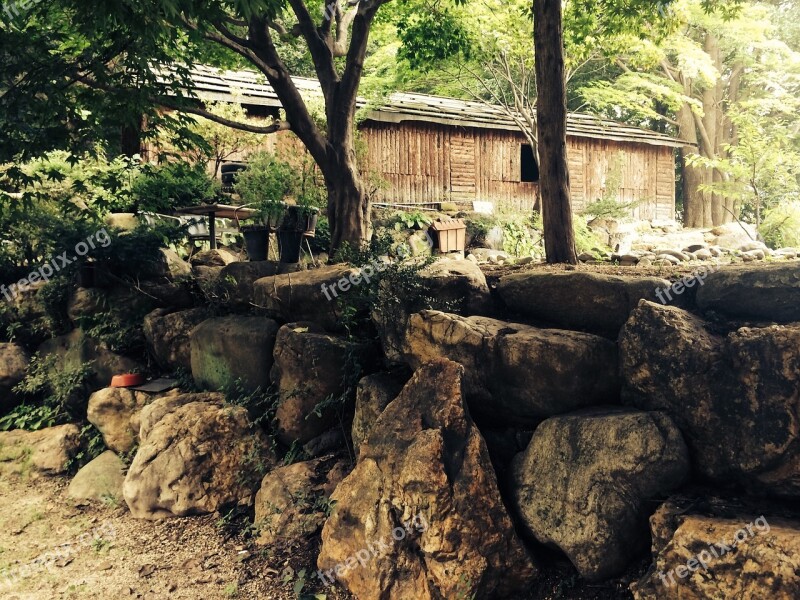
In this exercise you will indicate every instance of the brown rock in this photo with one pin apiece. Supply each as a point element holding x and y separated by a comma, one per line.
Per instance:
<point>310,368</point>
<point>47,450</point>
<point>426,471</point>
<point>373,394</point>
<point>14,361</point>
<point>167,335</point>
<point>111,411</point>
<point>100,479</point>
<point>518,374</point>
<point>293,501</point>
<point>578,300</point>
<point>227,349</point>
<point>762,293</point>
<point>301,296</point>
<point>700,556</point>
<point>195,459</point>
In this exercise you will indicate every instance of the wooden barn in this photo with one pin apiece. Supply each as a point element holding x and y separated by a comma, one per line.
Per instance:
<point>428,149</point>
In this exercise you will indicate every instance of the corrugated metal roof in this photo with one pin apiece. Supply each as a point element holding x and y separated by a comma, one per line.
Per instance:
<point>250,87</point>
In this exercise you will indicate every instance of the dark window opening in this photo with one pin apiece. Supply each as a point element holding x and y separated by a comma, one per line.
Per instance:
<point>529,170</point>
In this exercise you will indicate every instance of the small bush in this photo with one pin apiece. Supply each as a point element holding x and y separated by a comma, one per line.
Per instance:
<point>170,185</point>
<point>53,395</point>
<point>781,226</point>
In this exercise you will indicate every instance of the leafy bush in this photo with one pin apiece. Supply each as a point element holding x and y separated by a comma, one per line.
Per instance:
<point>610,208</point>
<point>781,226</point>
<point>53,395</point>
<point>165,187</point>
<point>415,219</point>
<point>265,183</point>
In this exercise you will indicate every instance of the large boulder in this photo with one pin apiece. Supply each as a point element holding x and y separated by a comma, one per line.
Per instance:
<point>373,394</point>
<point>100,479</point>
<point>421,515</point>
<point>197,458</point>
<point>219,257</point>
<point>585,480</point>
<point>312,368</point>
<point>305,295</point>
<point>237,280</point>
<point>742,555</point>
<point>732,235</point>
<point>460,283</point>
<point>740,388</point>
<point>234,348</point>
<point>585,301</point>
<point>454,286</point>
<point>111,411</point>
<point>763,293</point>
<point>293,501</point>
<point>47,451</point>
<point>517,374</point>
<point>167,335</point>
<point>76,349</point>
<point>14,361</point>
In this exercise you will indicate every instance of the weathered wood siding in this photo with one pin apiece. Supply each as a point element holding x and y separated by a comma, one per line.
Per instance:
<point>425,163</point>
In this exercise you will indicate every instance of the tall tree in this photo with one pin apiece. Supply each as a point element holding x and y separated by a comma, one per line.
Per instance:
<point>551,114</point>
<point>123,47</point>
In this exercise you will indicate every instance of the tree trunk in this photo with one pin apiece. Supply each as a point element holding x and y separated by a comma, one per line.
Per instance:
<point>348,201</point>
<point>551,109</point>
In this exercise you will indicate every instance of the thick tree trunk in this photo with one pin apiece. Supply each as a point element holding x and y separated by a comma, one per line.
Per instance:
<point>551,109</point>
<point>348,201</point>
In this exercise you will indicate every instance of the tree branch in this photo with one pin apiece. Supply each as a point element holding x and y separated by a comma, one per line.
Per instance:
<point>273,128</point>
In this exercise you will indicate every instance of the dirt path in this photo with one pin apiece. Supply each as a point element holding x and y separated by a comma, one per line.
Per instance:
<point>99,551</point>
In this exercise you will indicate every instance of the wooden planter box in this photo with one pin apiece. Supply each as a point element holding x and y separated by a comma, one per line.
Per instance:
<point>450,234</point>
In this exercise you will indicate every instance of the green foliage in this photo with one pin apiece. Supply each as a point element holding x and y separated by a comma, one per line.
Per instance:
<point>781,226</point>
<point>610,208</point>
<point>520,239</point>
<point>170,185</point>
<point>265,183</point>
<point>585,240</point>
<point>414,219</point>
<point>54,395</point>
<point>92,445</point>
<point>137,254</point>
<point>432,35</point>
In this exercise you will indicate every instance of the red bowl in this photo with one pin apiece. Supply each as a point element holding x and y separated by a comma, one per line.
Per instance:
<point>127,380</point>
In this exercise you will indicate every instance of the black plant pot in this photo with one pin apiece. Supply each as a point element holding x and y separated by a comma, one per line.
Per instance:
<point>290,244</point>
<point>298,218</point>
<point>256,242</point>
<point>87,276</point>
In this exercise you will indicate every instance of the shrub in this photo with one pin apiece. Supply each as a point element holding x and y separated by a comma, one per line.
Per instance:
<point>265,183</point>
<point>781,226</point>
<point>54,394</point>
<point>165,187</point>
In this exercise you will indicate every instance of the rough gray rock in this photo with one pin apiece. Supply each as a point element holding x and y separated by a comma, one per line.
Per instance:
<point>578,300</point>
<point>585,478</point>
<point>762,293</point>
<point>733,397</point>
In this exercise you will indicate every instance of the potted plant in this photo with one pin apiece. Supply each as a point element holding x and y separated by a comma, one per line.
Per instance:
<point>263,185</point>
<point>298,222</point>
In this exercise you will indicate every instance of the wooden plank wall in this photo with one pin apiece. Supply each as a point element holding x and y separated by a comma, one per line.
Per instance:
<point>422,163</point>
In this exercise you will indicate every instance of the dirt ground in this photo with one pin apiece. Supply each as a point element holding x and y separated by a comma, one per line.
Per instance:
<point>198,558</point>
<point>122,557</point>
